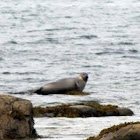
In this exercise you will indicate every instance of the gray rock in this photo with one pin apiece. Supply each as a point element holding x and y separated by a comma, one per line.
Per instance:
<point>16,118</point>
<point>85,110</point>
<point>124,111</point>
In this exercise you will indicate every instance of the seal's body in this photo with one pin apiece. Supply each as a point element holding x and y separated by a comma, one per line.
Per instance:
<point>63,85</point>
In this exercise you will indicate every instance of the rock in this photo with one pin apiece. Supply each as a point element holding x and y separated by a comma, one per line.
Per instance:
<point>85,109</point>
<point>16,118</point>
<point>126,131</point>
<point>123,111</point>
<point>89,111</point>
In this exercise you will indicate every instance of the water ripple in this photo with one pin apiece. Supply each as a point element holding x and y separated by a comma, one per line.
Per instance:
<point>20,73</point>
<point>89,36</point>
<point>126,43</point>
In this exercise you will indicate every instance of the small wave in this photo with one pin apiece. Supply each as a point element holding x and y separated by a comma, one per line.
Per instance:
<point>89,36</point>
<point>53,103</point>
<point>19,73</point>
<point>109,52</point>
<point>68,16</point>
<point>6,73</point>
<point>133,51</point>
<point>37,59</point>
<point>53,29</point>
<point>52,40</point>
<point>13,42</point>
<point>101,53</point>
<point>42,30</point>
<point>59,29</point>
<point>98,66</point>
<point>87,66</point>
<point>133,57</point>
<point>10,42</point>
<point>126,43</point>
<point>44,41</point>
<point>35,42</point>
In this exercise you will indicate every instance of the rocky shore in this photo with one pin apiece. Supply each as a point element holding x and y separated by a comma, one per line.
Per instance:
<point>16,118</point>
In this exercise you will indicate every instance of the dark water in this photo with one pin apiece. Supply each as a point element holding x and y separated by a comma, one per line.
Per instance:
<point>42,41</point>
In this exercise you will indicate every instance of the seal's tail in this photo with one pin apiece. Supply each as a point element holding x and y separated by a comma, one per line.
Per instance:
<point>38,91</point>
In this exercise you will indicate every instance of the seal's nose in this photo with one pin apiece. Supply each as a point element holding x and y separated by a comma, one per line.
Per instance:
<point>86,77</point>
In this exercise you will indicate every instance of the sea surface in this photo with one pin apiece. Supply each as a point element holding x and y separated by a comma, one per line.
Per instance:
<point>44,40</point>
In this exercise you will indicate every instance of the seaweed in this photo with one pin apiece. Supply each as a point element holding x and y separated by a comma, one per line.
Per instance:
<point>66,110</point>
<point>76,92</point>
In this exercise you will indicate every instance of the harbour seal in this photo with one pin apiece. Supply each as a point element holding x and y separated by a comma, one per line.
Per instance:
<point>63,85</point>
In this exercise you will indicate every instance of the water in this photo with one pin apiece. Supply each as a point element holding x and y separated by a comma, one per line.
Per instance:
<point>42,41</point>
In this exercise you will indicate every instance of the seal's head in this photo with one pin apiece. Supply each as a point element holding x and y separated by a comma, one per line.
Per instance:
<point>84,76</point>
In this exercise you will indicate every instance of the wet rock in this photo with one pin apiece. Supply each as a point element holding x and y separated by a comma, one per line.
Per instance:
<point>126,131</point>
<point>123,111</point>
<point>83,109</point>
<point>86,109</point>
<point>16,118</point>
